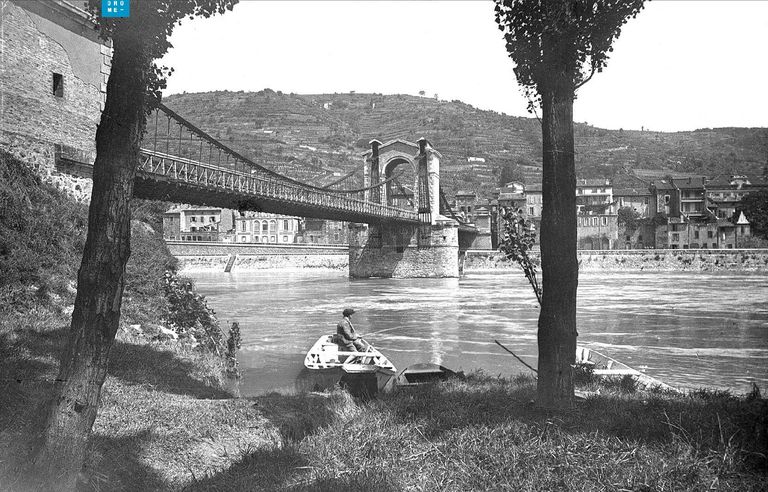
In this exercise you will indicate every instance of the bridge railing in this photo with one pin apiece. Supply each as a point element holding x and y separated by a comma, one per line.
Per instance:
<point>256,184</point>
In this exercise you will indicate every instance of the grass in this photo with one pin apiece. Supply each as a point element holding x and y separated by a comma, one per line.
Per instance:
<point>167,421</point>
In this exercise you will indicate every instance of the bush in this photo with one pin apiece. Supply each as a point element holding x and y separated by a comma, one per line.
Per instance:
<point>189,314</point>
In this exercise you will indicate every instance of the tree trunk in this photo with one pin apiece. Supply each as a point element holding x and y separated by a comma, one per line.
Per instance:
<point>59,454</point>
<point>559,265</point>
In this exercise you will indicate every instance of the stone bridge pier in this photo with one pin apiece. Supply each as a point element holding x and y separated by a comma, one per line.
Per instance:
<point>410,174</point>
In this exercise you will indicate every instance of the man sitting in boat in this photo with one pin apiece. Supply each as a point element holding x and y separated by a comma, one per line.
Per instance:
<point>347,337</point>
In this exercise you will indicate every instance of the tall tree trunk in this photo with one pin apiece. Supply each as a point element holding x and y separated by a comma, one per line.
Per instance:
<point>559,265</point>
<point>60,451</point>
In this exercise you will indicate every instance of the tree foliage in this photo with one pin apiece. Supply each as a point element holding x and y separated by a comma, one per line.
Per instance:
<point>755,208</point>
<point>629,218</point>
<point>579,34</point>
<point>517,243</point>
<point>154,21</point>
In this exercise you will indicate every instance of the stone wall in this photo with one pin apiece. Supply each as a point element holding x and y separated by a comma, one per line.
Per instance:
<point>404,252</point>
<point>662,260</point>
<point>38,40</point>
<point>198,256</point>
<point>36,47</point>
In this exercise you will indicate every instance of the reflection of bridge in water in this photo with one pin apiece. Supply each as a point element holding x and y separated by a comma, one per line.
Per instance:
<point>181,163</point>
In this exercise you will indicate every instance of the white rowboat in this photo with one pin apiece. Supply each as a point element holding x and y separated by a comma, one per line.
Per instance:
<point>604,366</point>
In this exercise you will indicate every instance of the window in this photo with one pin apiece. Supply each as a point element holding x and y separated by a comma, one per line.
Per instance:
<point>605,220</point>
<point>594,221</point>
<point>530,211</point>
<point>193,219</point>
<point>212,219</point>
<point>285,225</point>
<point>264,226</point>
<point>285,239</point>
<point>243,238</point>
<point>696,234</point>
<point>58,85</point>
<point>640,237</point>
<point>675,236</point>
<point>709,234</point>
<point>272,226</point>
<point>645,200</point>
<point>666,199</point>
<point>193,229</point>
<point>272,239</point>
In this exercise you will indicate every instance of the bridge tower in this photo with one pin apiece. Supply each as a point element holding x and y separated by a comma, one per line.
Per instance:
<point>409,174</point>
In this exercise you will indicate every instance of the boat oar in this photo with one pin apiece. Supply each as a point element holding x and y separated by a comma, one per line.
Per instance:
<point>516,357</point>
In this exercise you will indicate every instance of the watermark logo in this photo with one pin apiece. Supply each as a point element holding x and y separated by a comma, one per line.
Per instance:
<point>115,8</point>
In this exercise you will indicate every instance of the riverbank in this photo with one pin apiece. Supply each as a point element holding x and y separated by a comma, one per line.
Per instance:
<point>205,257</point>
<point>653,260</point>
<point>166,423</point>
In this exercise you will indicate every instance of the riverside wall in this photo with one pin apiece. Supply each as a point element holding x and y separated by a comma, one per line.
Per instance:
<point>653,260</point>
<point>221,257</point>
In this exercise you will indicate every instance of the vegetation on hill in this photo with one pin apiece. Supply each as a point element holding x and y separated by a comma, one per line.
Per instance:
<point>271,127</point>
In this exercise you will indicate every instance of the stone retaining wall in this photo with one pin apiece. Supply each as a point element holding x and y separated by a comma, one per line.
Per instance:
<point>662,260</point>
<point>198,256</point>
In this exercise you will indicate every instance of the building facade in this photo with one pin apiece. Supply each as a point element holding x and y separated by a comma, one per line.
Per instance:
<point>258,227</point>
<point>199,224</point>
<point>53,83</point>
<point>597,224</point>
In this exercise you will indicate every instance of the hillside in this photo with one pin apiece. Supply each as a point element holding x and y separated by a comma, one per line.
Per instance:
<point>316,137</point>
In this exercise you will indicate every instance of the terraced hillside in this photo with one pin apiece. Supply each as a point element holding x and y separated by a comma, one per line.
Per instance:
<point>319,138</point>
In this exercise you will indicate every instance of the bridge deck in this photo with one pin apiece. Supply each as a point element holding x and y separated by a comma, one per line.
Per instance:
<point>167,177</point>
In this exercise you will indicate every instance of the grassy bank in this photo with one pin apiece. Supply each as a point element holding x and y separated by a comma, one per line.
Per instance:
<point>167,422</point>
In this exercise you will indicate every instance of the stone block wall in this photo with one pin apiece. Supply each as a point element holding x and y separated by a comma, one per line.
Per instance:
<point>34,48</point>
<point>662,260</point>
<point>38,40</point>
<point>404,252</point>
<point>200,256</point>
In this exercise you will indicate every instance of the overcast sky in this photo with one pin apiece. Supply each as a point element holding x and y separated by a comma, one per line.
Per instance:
<point>680,65</point>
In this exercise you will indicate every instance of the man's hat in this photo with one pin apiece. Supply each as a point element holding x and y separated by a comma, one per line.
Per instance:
<point>348,311</point>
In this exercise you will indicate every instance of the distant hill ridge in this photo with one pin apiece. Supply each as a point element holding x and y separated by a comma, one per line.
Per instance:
<point>319,137</point>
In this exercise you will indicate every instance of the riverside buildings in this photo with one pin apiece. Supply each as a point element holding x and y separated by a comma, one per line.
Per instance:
<point>675,212</point>
<point>185,223</point>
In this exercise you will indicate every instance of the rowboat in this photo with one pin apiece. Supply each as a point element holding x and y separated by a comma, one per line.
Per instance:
<point>362,372</point>
<point>422,373</point>
<point>604,366</point>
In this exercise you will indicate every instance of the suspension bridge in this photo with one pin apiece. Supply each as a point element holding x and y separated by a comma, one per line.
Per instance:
<point>394,232</point>
<point>181,163</point>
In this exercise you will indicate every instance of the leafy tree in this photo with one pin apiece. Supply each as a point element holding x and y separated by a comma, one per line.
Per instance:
<point>517,243</point>
<point>629,218</point>
<point>557,46</point>
<point>134,85</point>
<point>755,208</point>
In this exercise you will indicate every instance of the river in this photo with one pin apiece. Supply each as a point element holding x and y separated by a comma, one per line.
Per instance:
<point>690,330</point>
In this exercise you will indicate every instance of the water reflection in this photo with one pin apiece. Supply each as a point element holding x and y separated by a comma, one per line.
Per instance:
<point>686,329</point>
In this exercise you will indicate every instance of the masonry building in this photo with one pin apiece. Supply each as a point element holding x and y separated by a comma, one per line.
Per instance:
<point>52,84</point>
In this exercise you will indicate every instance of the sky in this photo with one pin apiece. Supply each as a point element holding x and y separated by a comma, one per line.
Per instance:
<point>680,65</point>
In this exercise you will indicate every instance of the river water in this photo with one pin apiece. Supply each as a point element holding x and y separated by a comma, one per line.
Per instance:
<point>690,330</point>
